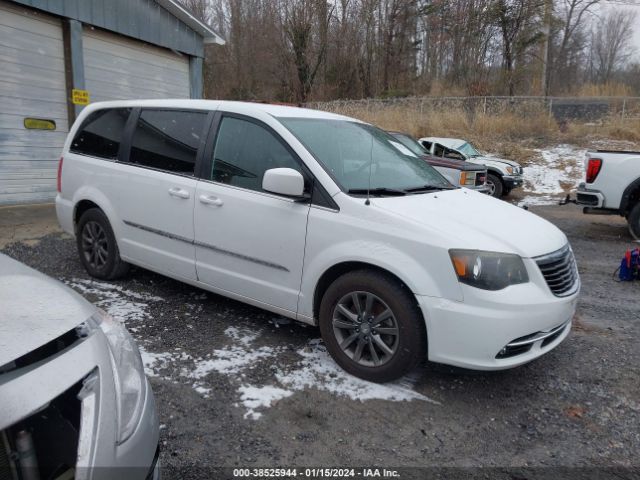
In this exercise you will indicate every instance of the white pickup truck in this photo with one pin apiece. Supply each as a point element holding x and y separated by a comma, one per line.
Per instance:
<point>612,186</point>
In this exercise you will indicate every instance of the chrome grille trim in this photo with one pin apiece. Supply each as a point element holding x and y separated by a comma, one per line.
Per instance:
<point>536,337</point>
<point>560,271</point>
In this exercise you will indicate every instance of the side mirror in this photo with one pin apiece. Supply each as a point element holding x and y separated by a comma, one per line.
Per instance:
<point>284,181</point>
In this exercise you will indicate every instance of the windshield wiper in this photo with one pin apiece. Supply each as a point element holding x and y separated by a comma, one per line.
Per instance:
<point>429,188</point>
<point>378,192</point>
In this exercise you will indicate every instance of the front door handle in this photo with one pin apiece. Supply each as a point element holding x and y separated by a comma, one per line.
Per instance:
<point>211,200</point>
<point>179,193</point>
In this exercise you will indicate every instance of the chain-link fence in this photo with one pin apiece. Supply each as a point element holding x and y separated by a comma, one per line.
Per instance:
<point>580,109</point>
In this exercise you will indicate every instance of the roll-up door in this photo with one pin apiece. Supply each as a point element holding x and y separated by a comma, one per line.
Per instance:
<point>32,86</point>
<point>119,68</point>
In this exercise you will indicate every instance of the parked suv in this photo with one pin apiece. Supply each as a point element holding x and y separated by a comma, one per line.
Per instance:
<point>320,218</point>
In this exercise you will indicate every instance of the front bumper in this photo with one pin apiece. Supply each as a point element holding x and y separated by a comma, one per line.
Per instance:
<point>473,333</point>
<point>513,181</point>
<point>25,391</point>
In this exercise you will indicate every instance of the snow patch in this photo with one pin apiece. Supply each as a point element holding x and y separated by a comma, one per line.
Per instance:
<point>230,360</point>
<point>260,397</point>
<point>122,304</point>
<point>318,370</point>
<point>562,164</point>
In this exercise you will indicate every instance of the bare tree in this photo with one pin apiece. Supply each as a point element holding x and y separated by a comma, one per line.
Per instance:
<point>612,43</point>
<point>518,21</point>
<point>305,24</point>
<point>201,9</point>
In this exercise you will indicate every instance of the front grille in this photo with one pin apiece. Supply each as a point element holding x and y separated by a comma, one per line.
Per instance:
<point>560,271</point>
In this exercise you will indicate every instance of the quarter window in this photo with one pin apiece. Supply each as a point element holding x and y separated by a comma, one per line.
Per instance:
<point>168,140</point>
<point>244,151</point>
<point>101,133</point>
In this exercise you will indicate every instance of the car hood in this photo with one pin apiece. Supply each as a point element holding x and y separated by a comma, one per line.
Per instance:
<point>463,218</point>
<point>35,309</point>
<point>485,158</point>
<point>452,163</point>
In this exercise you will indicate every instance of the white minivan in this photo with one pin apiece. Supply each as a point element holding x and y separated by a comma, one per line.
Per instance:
<point>320,218</point>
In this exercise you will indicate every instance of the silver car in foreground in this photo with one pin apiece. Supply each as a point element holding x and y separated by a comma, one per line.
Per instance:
<point>74,399</point>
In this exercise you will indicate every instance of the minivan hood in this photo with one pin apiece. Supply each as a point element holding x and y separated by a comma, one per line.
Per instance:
<point>34,309</point>
<point>468,219</point>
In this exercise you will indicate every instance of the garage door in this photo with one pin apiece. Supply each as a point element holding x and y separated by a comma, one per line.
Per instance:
<point>117,68</point>
<point>32,85</point>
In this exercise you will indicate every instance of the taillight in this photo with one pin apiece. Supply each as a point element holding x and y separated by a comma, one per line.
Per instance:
<point>593,169</point>
<point>59,181</point>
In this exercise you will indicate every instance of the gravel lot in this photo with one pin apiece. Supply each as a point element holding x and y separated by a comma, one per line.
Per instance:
<point>238,386</point>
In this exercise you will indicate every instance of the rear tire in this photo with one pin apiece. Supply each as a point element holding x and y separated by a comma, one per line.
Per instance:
<point>380,340</point>
<point>495,185</point>
<point>634,221</point>
<point>98,248</point>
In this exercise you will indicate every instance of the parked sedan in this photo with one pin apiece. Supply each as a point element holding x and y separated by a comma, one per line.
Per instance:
<point>73,393</point>
<point>458,172</point>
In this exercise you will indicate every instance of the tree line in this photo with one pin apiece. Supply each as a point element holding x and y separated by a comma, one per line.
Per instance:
<point>302,50</point>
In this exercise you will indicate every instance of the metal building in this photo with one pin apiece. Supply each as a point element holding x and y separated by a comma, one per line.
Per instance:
<point>55,55</point>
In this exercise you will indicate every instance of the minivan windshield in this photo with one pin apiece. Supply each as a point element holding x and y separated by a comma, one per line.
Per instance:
<point>363,158</point>
<point>410,143</point>
<point>468,150</point>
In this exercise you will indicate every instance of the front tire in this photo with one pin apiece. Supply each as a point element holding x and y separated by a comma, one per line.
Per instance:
<point>372,326</point>
<point>98,248</point>
<point>495,185</point>
<point>634,221</point>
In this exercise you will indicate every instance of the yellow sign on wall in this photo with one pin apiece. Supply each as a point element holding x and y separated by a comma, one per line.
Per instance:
<point>80,97</point>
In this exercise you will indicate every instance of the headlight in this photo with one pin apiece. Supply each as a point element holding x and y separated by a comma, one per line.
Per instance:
<point>509,170</point>
<point>488,270</point>
<point>467,178</point>
<point>128,372</point>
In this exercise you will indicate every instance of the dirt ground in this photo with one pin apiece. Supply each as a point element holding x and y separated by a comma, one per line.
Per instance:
<point>239,387</point>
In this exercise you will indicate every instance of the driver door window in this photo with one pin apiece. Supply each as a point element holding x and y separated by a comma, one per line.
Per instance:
<point>448,153</point>
<point>244,151</point>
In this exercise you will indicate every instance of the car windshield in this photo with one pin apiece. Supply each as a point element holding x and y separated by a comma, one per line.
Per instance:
<point>468,150</point>
<point>410,143</point>
<point>361,157</point>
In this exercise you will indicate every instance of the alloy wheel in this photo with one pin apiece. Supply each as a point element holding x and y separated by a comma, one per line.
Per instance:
<point>95,246</point>
<point>366,329</point>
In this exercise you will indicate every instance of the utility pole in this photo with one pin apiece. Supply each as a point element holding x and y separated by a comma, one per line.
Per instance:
<point>546,46</point>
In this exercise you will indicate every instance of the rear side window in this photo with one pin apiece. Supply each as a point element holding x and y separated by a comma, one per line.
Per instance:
<point>101,133</point>
<point>168,140</point>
